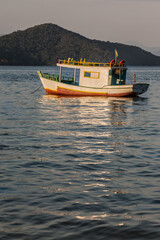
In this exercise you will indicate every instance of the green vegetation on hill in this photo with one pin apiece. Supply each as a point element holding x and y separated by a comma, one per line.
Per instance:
<point>45,44</point>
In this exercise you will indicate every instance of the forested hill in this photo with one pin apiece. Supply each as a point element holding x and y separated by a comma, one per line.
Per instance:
<point>45,44</point>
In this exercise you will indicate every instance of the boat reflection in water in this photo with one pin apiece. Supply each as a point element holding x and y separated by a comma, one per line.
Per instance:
<point>87,141</point>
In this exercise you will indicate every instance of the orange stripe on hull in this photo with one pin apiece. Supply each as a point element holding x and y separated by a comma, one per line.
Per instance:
<point>63,91</point>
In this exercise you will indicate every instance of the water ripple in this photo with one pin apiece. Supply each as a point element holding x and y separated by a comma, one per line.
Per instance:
<point>78,168</point>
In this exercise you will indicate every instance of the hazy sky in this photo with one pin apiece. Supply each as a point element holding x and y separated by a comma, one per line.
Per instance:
<point>108,20</point>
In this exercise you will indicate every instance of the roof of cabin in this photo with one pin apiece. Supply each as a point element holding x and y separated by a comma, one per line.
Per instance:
<point>71,62</point>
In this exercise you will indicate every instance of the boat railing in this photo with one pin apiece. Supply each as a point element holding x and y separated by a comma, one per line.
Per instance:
<point>82,63</point>
<point>91,64</point>
<point>55,77</point>
<point>50,76</point>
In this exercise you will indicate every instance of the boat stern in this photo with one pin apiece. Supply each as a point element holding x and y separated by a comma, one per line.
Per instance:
<point>140,88</point>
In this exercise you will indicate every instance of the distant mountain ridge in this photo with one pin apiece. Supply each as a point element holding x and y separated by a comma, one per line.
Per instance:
<point>153,50</point>
<point>45,44</point>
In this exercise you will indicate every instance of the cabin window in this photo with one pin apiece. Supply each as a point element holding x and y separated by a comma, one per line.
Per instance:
<point>87,74</point>
<point>92,74</point>
<point>117,76</point>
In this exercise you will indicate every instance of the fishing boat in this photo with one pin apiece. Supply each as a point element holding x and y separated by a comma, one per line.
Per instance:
<point>94,79</point>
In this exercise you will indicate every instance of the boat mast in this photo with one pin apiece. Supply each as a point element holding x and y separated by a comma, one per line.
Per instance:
<point>60,73</point>
<point>74,75</point>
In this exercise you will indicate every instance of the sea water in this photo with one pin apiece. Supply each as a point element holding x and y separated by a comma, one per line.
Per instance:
<point>78,168</point>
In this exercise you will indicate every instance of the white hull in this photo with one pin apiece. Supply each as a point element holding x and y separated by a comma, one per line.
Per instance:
<point>59,88</point>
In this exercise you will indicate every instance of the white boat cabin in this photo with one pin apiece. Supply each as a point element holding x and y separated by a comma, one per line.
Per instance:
<point>95,75</point>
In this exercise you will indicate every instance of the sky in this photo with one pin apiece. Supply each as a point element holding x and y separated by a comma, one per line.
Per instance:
<point>107,20</point>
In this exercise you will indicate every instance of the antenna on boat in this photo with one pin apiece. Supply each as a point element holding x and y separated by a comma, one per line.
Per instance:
<point>116,55</point>
<point>134,78</point>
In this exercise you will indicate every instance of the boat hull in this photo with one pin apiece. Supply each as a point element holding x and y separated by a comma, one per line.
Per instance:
<point>59,88</point>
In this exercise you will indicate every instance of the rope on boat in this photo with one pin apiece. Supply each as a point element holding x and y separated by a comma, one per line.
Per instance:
<point>36,89</point>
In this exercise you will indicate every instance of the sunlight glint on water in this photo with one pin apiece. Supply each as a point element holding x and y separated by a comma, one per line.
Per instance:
<point>78,168</point>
